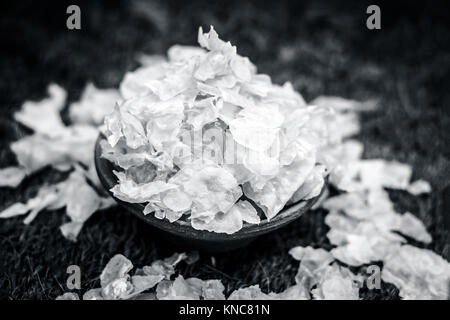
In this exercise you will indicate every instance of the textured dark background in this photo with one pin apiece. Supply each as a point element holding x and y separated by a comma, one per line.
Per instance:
<point>321,47</point>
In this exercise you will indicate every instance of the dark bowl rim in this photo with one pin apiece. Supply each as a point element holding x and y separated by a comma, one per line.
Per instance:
<point>288,214</point>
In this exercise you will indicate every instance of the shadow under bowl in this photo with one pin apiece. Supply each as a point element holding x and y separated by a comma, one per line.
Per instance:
<point>181,234</point>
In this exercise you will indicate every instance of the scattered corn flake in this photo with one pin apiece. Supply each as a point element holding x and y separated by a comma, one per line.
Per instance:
<point>377,173</point>
<point>116,283</point>
<point>93,105</point>
<point>319,202</point>
<point>333,282</point>
<point>62,147</point>
<point>164,290</point>
<point>361,205</point>
<point>118,267</point>
<point>179,289</point>
<point>81,201</point>
<point>248,293</point>
<point>313,263</point>
<point>93,294</point>
<point>17,209</point>
<point>419,187</point>
<point>418,273</point>
<point>46,196</point>
<point>341,159</point>
<point>213,290</point>
<point>79,198</point>
<point>71,230</point>
<point>295,292</point>
<point>341,104</point>
<point>11,176</point>
<point>411,226</point>
<point>120,288</point>
<point>106,202</point>
<point>165,267</point>
<point>150,60</point>
<point>345,126</point>
<point>359,241</point>
<point>144,282</point>
<point>68,296</point>
<point>43,116</point>
<point>115,280</point>
<point>71,145</point>
<point>359,250</point>
<point>361,225</point>
<point>336,284</point>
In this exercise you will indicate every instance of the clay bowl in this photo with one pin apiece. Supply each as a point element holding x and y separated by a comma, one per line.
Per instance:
<point>183,235</point>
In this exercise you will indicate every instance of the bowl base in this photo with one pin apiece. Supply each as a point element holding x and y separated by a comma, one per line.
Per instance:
<point>187,244</point>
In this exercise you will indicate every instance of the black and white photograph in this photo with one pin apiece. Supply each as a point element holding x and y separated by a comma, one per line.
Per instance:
<point>237,151</point>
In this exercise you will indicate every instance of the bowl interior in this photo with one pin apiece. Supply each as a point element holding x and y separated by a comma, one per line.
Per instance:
<point>183,228</point>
